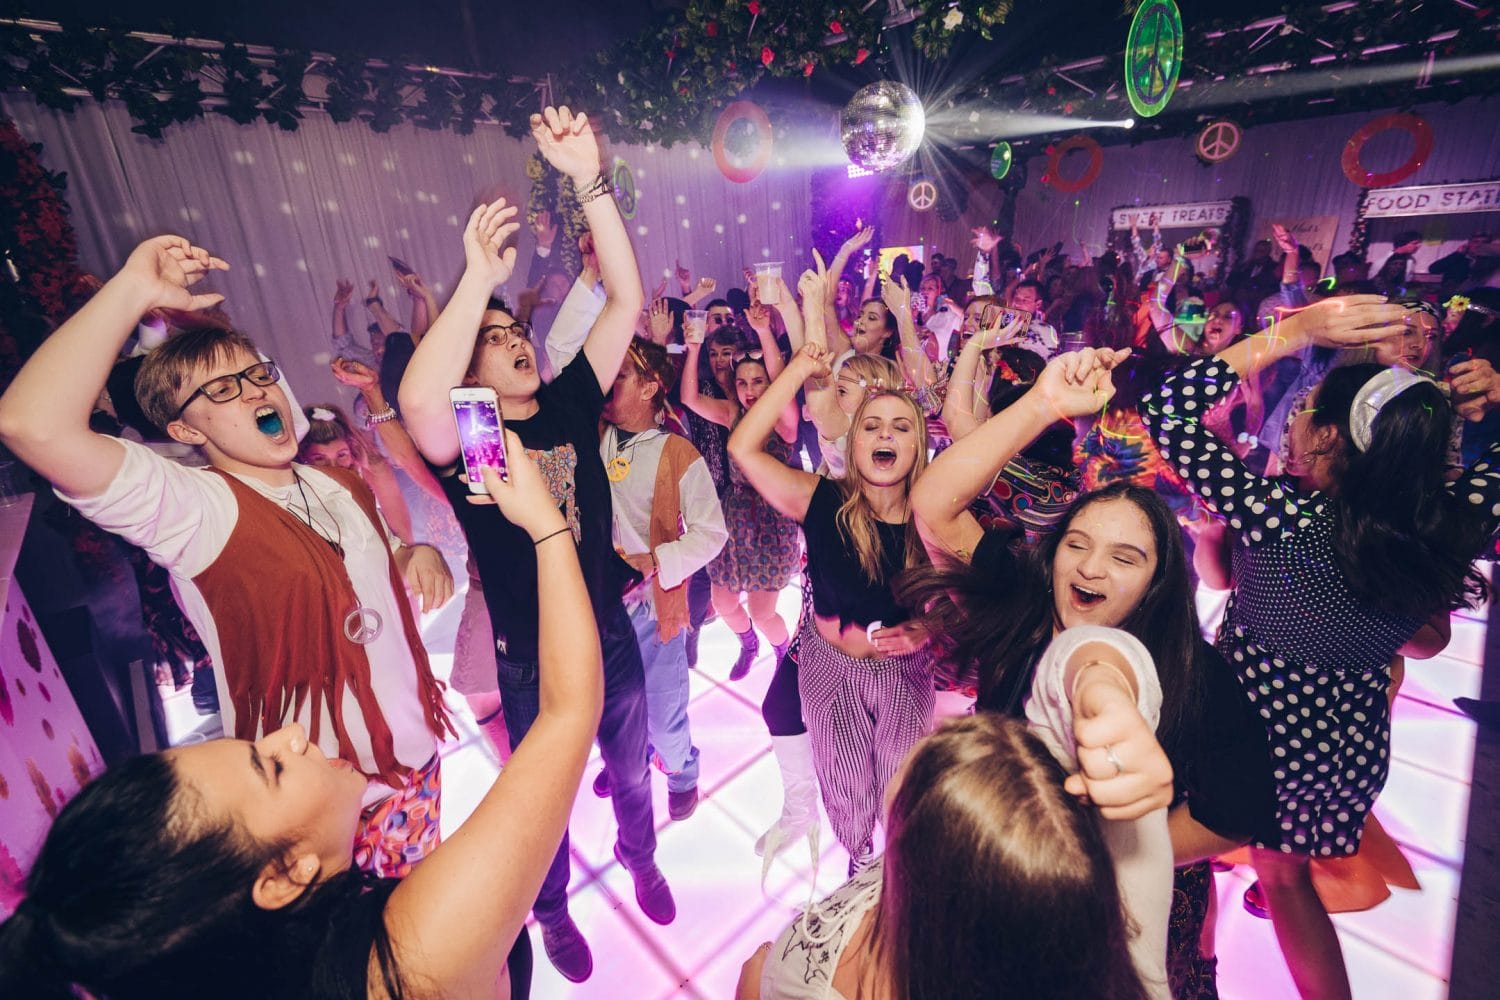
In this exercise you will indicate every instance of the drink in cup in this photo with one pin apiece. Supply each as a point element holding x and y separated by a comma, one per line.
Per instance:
<point>768,281</point>
<point>694,325</point>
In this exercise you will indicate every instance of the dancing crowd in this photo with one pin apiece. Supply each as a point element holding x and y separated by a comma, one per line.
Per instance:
<point>1003,476</point>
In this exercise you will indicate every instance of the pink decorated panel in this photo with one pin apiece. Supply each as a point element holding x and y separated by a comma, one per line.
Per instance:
<point>46,752</point>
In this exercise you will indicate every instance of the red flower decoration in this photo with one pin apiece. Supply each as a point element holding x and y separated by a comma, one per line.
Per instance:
<point>835,27</point>
<point>807,69</point>
<point>754,8</point>
<point>671,54</point>
<point>711,29</point>
<point>861,56</point>
<point>1051,91</point>
<point>1067,107</point>
<point>766,55</point>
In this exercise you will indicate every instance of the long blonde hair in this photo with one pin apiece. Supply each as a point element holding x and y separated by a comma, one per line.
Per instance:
<point>856,518</point>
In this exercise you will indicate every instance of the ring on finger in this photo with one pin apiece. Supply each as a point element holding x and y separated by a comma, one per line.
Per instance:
<point>1109,755</point>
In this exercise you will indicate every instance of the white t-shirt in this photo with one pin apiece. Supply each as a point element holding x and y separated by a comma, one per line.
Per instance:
<point>1141,848</point>
<point>183,518</point>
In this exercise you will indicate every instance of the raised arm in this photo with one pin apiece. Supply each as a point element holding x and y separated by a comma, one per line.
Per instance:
<point>720,411</point>
<point>397,443</point>
<point>44,415</point>
<point>788,490</point>
<point>1071,385</point>
<point>791,316</point>
<point>568,143</point>
<point>453,920</point>
<point>424,306</point>
<point>344,344</point>
<point>838,343</point>
<point>915,364</point>
<point>442,358</point>
<point>703,290</point>
<point>822,399</point>
<point>965,407</point>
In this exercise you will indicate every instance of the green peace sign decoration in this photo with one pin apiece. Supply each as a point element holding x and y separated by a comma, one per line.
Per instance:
<point>1000,160</point>
<point>625,193</point>
<point>1153,56</point>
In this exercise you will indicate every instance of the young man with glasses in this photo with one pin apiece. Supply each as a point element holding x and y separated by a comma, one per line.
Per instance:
<point>477,342</point>
<point>287,572</point>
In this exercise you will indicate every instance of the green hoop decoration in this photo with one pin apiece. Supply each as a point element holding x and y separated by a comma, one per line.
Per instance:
<point>1153,56</point>
<point>1000,160</point>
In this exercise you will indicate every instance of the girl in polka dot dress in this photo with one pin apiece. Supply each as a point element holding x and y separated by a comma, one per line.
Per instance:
<point>1358,555</point>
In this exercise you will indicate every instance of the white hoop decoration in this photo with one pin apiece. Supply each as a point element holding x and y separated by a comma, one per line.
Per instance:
<point>1373,396</point>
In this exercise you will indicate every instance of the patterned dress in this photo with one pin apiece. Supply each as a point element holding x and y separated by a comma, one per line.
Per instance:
<point>1310,656</point>
<point>764,550</point>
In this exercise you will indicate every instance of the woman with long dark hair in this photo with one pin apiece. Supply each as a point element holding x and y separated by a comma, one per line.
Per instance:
<point>864,676</point>
<point>1359,557</point>
<point>995,882</point>
<point>1116,559</point>
<point>224,869</point>
<point>764,550</point>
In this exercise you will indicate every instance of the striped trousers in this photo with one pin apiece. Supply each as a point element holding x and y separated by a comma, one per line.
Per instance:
<point>862,716</point>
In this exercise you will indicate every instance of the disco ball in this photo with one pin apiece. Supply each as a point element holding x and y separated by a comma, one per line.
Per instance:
<point>882,125</point>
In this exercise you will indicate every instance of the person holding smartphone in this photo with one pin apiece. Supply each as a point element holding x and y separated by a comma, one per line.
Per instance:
<point>287,572</point>
<point>476,341</point>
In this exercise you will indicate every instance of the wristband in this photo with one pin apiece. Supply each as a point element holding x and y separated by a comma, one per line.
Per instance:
<point>559,531</point>
<point>596,188</point>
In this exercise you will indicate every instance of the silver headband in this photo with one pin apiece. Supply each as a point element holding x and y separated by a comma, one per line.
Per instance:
<point>1373,396</point>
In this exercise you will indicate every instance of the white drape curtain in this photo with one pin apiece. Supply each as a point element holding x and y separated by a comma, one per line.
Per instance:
<point>1287,169</point>
<point>294,211</point>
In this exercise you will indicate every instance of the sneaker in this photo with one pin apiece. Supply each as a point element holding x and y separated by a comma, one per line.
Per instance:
<point>567,950</point>
<point>681,805</point>
<point>601,783</point>
<point>1255,901</point>
<point>652,893</point>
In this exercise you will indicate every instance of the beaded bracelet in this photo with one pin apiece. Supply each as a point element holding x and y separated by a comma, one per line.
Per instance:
<point>386,415</point>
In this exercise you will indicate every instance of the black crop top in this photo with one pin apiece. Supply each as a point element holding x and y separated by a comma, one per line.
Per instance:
<point>840,588</point>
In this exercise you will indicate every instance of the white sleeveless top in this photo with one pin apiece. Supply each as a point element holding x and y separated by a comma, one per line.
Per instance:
<point>804,958</point>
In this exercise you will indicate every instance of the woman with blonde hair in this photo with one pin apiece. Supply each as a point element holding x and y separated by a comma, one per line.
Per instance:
<point>865,677</point>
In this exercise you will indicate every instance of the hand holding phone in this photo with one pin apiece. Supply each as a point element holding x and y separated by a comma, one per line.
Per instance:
<point>481,433</point>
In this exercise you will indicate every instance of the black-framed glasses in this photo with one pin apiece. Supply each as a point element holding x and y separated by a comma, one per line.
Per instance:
<point>519,328</point>
<point>227,387</point>
<point>716,320</point>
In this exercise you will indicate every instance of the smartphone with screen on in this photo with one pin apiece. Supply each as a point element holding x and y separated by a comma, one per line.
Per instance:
<point>400,266</point>
<point>481,433</point>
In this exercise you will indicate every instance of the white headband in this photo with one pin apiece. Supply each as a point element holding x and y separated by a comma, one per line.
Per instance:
<point>1372,397</point>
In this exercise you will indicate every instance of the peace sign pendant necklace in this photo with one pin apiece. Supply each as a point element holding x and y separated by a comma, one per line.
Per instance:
<point>362,626</point>
<point>618,467</point>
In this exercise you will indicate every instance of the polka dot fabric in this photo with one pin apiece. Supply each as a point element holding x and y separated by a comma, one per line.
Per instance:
<point>1311,658</point>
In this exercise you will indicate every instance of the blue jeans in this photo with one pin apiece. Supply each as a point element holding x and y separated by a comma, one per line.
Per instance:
<point>666,701</point>
<point>622,742</point>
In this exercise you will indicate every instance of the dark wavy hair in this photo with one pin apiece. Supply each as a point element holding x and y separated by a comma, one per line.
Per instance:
<point>995,629</point>
<point>1403,542</point>
<point>136,893</point>
<point>996,879</point>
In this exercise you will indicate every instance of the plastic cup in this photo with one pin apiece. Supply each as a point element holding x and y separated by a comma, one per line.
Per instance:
<point>768,281</point>
<point>694,325</point>
<point>12,484</point>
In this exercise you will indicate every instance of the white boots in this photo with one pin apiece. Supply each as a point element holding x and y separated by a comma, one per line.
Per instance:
<point>799,808</point>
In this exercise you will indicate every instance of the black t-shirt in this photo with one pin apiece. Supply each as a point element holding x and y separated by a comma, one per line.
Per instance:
<point>562,437</point>
<point>1223,768</point>
<point>839,585</point>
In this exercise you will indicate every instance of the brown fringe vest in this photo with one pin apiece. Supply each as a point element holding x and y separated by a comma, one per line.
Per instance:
<point>278,594</point>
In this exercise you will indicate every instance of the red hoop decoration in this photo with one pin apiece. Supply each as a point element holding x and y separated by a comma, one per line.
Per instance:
<point>1413,125</point>
<point>751,112</point>
<point>1090,173</point>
